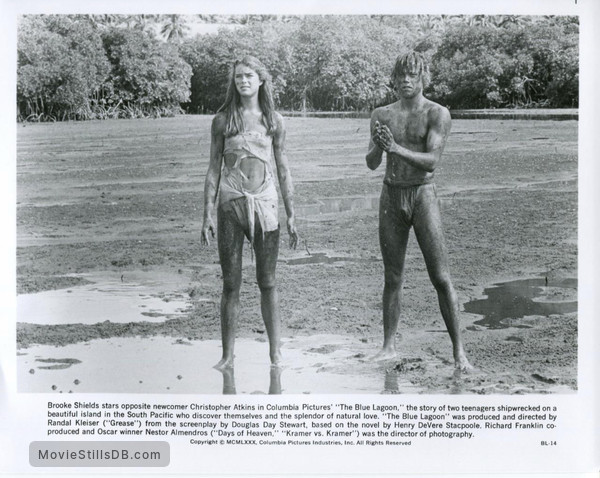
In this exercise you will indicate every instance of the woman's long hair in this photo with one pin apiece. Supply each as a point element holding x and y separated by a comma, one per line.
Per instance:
<point>232,105</point>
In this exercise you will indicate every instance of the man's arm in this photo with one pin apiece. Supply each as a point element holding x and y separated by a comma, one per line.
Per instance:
<point>213,175</point>
<point>285,179</point>
<point>439,128</point>
<point>375,153</point>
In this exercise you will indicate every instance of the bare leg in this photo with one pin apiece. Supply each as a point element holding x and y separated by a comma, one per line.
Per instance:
<point>267,251</point>
<point>231,242</point>
<point>393,239</point>
<point>275,381</point>
<point>430,235</point>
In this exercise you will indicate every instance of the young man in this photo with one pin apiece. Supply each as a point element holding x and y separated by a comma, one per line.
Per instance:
<point>413,133</point>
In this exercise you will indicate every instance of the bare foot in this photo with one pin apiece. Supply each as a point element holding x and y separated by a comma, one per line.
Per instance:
<point>225,362</point>
<point>461,363</point>
<point>275,380</point>
<point>276,359</point>
<point>386,353</point>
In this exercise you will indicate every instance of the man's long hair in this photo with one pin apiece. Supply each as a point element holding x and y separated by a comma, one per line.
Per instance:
<point>232,105</point>
<point>411,62</point>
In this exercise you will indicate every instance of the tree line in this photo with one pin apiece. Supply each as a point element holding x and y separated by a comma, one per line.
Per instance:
<point>114,66</point>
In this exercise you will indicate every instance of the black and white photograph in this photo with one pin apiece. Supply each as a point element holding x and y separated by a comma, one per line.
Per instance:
<point>369,206</point>
<point>379,204</point>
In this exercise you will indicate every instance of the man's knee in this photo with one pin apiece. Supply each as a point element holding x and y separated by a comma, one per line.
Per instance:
<point>394,278</point>
<point>442,282</point>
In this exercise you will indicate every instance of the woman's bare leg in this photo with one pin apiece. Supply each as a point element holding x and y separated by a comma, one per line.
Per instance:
<point>231,242</point>
<point>267,250</point>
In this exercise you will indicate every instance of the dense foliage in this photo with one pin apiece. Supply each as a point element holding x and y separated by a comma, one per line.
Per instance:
<point>68,68</point>
<point>99,66</point>
<point>147,75</point>
<point>62,68</point>
<point>479,67</point>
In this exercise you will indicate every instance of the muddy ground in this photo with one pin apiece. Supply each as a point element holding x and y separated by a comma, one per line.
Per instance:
<point>123,196</point>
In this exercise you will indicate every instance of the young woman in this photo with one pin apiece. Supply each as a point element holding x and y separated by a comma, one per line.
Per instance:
<point>245,134</point>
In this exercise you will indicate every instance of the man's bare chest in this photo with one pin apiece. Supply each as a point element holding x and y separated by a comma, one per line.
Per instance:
<point>409,129</point>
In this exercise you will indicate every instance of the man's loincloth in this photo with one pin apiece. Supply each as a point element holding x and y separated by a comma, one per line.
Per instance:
<point>404,205</point>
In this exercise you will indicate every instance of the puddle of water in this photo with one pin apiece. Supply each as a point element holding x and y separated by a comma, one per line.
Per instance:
<point>118,297</point>
<point>320,364</point>
<point>168,365</point>
<point>333,205</point>
<point>522,298</point>
<point>323,258</point>
<point>58,363</point>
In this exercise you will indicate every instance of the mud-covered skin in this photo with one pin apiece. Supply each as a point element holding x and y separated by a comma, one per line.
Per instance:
<point>249,81</point>
<point>410,130</point>
<point>413,132</point>
<point>509,204</point>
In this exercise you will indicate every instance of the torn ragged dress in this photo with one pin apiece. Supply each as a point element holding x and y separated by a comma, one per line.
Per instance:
<point>263,201</point>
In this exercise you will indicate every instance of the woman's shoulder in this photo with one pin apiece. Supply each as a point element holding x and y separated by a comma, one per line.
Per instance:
<point>278,123</point>
<point>219,122</point>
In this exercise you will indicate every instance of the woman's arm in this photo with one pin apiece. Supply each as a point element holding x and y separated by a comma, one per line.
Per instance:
<point>285,179</point>
<point>213,176</point>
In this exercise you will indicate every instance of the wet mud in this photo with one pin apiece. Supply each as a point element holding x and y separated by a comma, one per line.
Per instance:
<point>188,369</point>
<point>339,365</point>
<point>109,264</point>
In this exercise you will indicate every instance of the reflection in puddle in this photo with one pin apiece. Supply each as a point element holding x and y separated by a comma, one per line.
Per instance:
<point>130,365</point>
<point>274,381</point>
<point>390,383</point>
<point>318,364</point>
<point>228,381</point>
<point>521,298</point>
